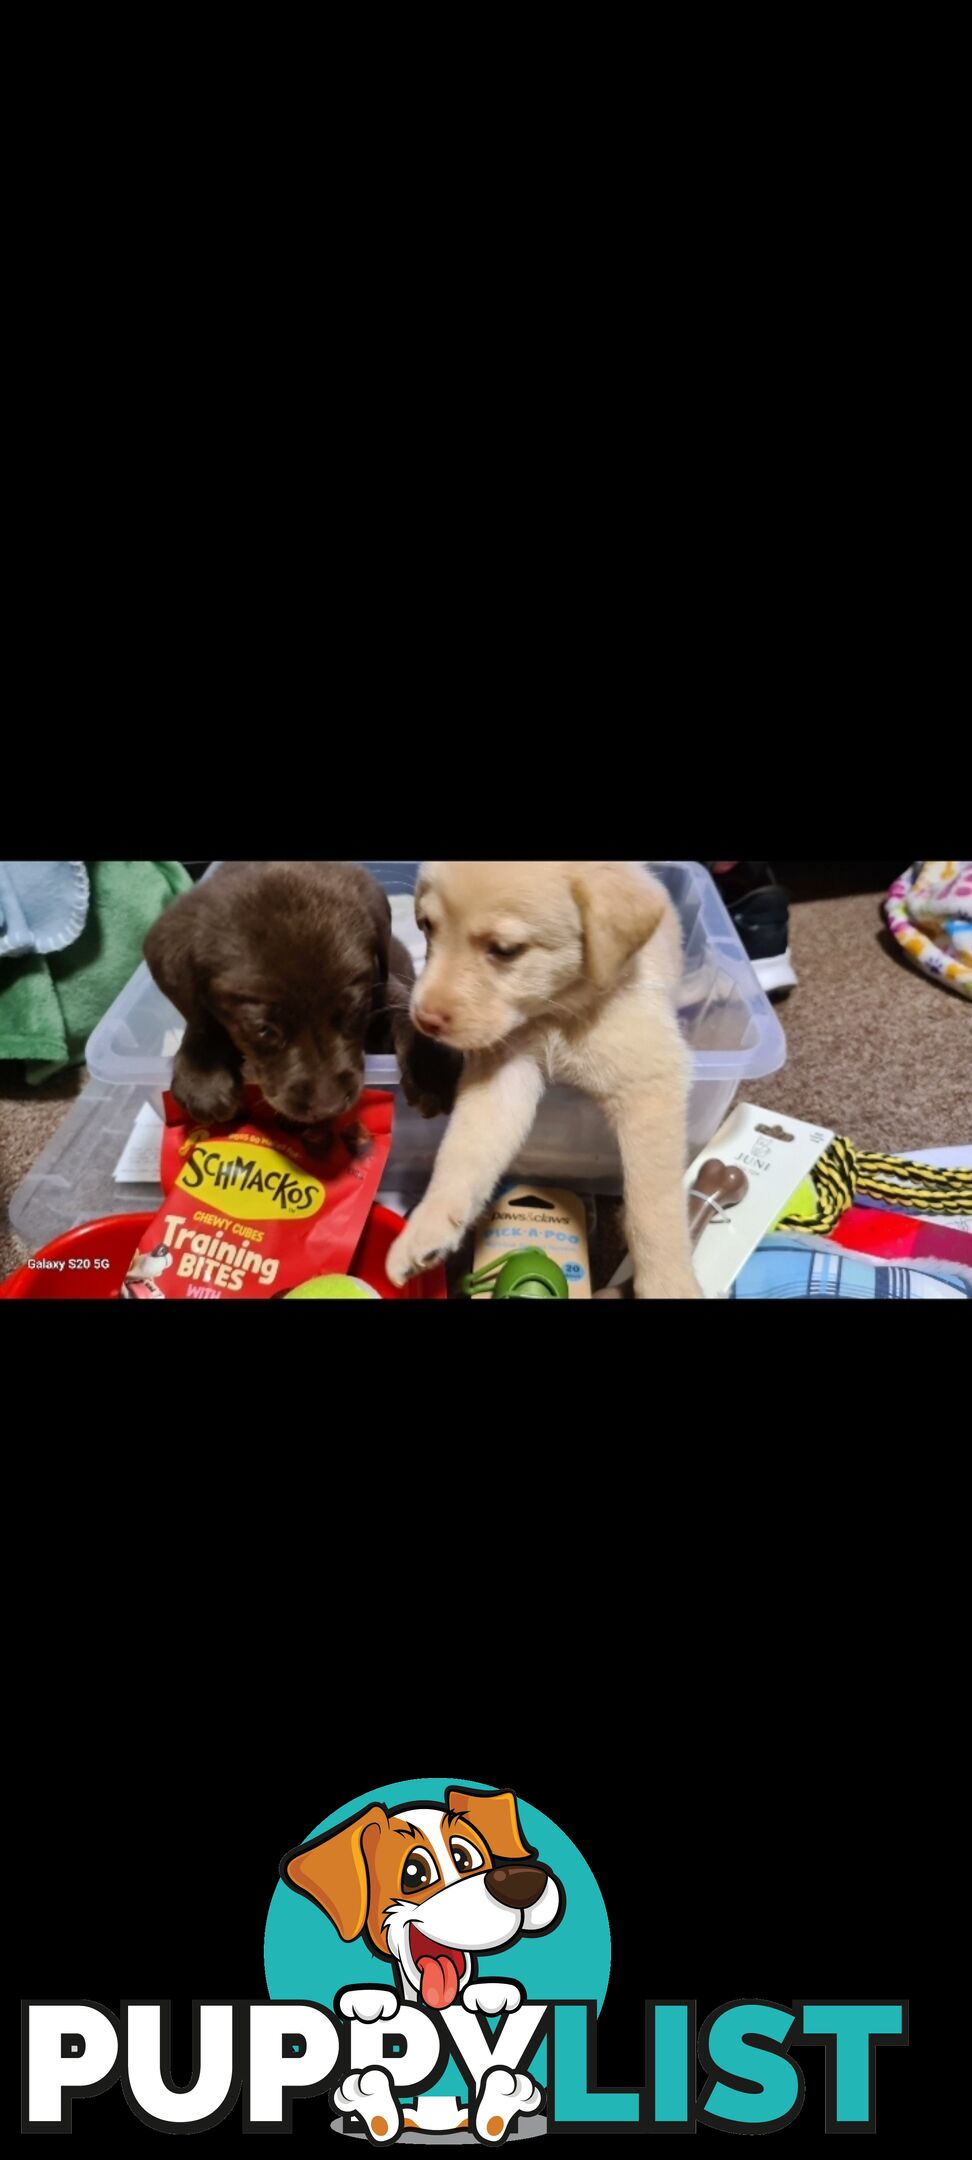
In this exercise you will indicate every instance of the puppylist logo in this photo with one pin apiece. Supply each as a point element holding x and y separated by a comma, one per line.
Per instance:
<point>436,1961</point>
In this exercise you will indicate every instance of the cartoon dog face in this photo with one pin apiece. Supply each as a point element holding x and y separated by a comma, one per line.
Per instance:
<point>430,1887</point>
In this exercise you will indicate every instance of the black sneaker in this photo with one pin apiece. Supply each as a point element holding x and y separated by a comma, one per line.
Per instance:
<point>760,910</point>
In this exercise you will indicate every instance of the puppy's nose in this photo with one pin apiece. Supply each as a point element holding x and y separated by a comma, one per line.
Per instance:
<point>432,1023</point>
<point>516,1885</point>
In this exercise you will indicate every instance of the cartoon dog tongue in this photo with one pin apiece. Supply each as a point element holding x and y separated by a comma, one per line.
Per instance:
<point>440,1982</point>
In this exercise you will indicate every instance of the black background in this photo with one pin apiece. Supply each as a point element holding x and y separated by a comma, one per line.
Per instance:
<point>658,1582</point>
<point>691,1682</point>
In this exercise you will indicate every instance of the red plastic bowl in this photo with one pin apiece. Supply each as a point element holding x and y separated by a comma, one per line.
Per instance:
<point>118,1237</point>
<point>115,1240</point>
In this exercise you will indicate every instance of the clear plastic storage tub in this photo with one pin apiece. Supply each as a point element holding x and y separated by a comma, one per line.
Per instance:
<point>73,1181</point>
<point>731,1028</point>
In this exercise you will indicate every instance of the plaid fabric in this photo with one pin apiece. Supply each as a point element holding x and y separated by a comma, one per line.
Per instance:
<point>790,1268</point>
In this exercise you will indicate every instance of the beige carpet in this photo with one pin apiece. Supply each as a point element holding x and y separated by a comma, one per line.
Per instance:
<point>29,1117</point>
<point>875,1051</point>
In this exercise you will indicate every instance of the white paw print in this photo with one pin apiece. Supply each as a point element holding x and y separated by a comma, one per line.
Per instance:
<point>492,1997</point>
<point>368,2004</point>
<point>371,2096</point>
<point>505,2094</point>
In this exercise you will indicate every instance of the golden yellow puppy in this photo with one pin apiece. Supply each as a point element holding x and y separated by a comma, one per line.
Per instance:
<point>555,972</point>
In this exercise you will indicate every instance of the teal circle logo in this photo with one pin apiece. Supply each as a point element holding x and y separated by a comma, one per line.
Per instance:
<point>306,1961</point>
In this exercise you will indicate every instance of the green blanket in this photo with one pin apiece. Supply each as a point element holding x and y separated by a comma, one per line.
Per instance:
<point>49,1007</point>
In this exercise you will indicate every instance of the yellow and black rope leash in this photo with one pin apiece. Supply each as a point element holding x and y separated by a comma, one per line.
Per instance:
<point>844,1174</point>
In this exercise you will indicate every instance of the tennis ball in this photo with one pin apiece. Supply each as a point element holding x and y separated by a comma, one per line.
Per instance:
<point>342,1287</point>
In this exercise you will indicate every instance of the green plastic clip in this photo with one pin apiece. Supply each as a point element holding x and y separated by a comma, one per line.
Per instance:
<point>522,1275</point>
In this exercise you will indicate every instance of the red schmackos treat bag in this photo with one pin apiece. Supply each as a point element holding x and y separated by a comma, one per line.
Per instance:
<point>252,1211</point>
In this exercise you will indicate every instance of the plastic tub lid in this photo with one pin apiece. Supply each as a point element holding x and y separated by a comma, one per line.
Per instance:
<point>729,1023</point>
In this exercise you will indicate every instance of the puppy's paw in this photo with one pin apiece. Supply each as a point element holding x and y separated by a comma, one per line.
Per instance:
<point>370,2094</point>
<point>428,1238</point>
<point>368,2004</point>
<point>358,1141</point>
<point>492,1997</point>
<point>430,1073</point>
<point>505,2095</point>
<point>429,1104</point>
<point>212,1097</point>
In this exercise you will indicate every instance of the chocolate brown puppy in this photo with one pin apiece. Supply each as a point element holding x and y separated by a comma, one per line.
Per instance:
<point>288,975</point>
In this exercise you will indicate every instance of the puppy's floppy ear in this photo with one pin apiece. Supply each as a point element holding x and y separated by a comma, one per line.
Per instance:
<point>333,1872</point>
<point>494,1816</point>
<point>172,951</point>
<point>381,910</point>
<point>621,908</point>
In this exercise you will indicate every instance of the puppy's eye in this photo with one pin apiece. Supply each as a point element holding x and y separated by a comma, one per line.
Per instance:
<point>419,1871</point>
<point>465,1856</point>
<point>506,953</point>
<point>268,1037</point>
<point>427,928</point>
